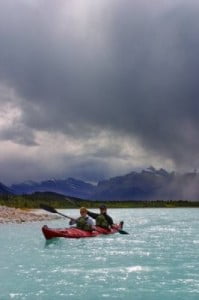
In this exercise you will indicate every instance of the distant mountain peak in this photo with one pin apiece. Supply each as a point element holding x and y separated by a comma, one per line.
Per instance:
<point>29,182</point>
<point>151,169</point>
<point>155,171</point>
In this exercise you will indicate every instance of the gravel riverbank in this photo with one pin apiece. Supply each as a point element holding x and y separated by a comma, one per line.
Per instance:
<point>17,215</point>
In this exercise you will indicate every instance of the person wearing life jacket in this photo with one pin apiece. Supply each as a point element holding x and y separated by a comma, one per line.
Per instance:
<point>83,222</point>
<point>102,219</point>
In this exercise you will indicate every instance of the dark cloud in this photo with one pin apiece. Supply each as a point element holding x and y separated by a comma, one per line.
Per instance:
<point>19,135</point>
<point>129,67</point>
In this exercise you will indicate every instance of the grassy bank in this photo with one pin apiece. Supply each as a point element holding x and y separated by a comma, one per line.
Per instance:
<point>60,201</point>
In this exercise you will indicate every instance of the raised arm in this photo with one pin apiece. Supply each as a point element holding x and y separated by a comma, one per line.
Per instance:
<point>92,214</point>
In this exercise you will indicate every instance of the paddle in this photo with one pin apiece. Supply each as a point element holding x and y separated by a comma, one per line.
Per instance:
<point>54,211</point>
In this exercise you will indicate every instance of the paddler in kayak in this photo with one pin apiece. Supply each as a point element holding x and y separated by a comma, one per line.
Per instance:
<point>83,222</point>
<point>102,219</point>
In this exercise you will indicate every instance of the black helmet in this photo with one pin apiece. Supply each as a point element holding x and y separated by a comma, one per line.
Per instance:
<point>102,206</point>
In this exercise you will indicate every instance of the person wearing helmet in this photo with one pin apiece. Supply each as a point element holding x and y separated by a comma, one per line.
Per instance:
<point>102,219</point>
<point>83,222</point>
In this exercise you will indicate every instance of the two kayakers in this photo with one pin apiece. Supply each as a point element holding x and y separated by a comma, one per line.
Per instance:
<point>86,223</point>
<point>83,222</point>
<point>102,219</point>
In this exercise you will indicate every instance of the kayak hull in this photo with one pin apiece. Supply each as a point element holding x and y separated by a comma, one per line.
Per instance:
<point>76,233</point>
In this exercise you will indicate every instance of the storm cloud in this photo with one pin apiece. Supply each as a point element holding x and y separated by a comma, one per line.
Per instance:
<point>96,88</point>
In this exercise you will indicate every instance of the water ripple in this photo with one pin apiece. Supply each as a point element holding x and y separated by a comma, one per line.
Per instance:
<point>157,260</point>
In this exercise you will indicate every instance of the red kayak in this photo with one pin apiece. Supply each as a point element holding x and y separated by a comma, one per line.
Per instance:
<point>75,233</point>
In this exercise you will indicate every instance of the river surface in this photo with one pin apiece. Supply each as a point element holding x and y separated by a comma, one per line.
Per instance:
<point>159,259</point>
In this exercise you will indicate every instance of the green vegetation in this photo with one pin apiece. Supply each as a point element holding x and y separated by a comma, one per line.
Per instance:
<point>60,201</point>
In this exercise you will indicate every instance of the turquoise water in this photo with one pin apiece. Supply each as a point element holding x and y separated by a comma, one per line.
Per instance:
<point>159,259</point>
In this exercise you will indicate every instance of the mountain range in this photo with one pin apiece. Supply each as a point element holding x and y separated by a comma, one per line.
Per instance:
<point>4,190</point>
<point>69,187</point>
<point>149,184</point>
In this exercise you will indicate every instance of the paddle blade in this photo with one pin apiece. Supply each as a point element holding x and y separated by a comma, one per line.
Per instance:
<point>48,208</point>
<point>122,231</point>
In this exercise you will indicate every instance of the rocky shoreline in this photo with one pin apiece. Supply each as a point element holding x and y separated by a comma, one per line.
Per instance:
<point>17,215</point>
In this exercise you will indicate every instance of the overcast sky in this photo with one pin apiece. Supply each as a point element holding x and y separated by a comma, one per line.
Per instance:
<point>94,88</point>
